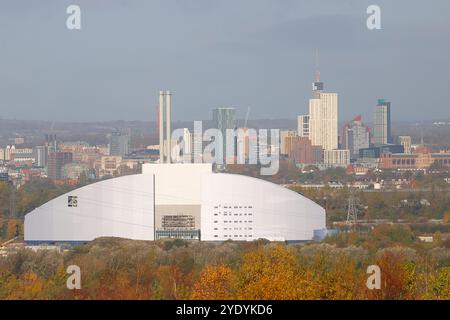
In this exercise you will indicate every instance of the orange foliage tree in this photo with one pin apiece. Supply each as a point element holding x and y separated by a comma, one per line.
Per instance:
<point>398,277</point>
<point>269,274</point>
<point>26,287</point>
<point>215,283</point>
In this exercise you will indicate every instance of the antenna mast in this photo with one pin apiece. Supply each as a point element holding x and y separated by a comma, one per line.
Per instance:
<point>317,78</point>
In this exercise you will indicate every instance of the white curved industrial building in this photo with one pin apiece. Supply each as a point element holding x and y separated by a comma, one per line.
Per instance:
<point>186,201</point>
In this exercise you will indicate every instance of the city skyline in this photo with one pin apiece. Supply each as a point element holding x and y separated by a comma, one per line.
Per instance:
<point>220,150</point>
<point>86,76</point>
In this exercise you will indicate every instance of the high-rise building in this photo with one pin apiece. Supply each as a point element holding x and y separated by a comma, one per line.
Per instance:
<point>197,146</point>
<point>303,126</point>
<point>336,157</point>
<point>283,135</point>
<point>323,121</point>
<point>9,152</point>
<point>41,156</point>
<point>405,141</point>
<point>321,124</point>
<point>300,150</point>
<point>51,142</point>
<point>246,146</point>
<point>119,144</point>
<point>187,140</point>
<point>56,162</point>
<point>223,119</point>
<point>182,148</point>
<point>382,123</point>
<point>323,115</point>
<point>355,136</point>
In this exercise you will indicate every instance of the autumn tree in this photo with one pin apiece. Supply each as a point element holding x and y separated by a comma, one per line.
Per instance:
<point>440,284</point>
<point>398,276</point>
<point>169,283</point>
<point>215,283</point>
<point>269,273</point>
<point>334,278</point>
<point>115,285</point>
<point>28,286</point>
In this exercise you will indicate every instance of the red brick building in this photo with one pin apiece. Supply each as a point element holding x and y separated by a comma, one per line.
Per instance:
<point>421,159</point>
<point>302,151</point>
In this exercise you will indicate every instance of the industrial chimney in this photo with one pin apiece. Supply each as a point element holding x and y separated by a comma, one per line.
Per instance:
<point>164,104</point>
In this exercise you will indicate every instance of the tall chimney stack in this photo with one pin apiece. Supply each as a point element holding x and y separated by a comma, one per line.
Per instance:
<point>161,126</point>
<point>164,104</point>
<point>169,132</point>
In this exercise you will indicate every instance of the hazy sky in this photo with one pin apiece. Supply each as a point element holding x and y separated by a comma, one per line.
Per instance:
<point>210,53</point>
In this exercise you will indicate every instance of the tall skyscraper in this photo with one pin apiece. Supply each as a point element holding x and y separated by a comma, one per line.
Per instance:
<point>41,156</point>
<point>56,162</point>
<point>323,117</point>
<point>303,126</point>
<point>382,123</point>
<point>355,136</point>
<point>51,142</point>
<point>223,119</point>
<point>119,143</point>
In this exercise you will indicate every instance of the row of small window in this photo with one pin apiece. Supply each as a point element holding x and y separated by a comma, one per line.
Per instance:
<point>249,228</point>
<point>234,207</point>
<point>442,161</point>
<point>235,236</point>
<point>403,161</point>
<point>235,221</point>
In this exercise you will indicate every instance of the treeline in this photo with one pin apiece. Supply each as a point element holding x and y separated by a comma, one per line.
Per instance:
<point>114,268</point>
<point>15,203</point>
<point>407,205</point>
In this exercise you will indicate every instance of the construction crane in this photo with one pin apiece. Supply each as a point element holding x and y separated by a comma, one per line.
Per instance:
<point>246,117</point>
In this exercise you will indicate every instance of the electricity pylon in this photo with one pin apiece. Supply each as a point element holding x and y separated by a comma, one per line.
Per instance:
<point>353,210</point>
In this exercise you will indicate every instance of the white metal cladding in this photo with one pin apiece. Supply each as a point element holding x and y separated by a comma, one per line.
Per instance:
<point>277,213</point>
<point>178,183</point>
<point>119,207</point>
<point>124,207</point>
